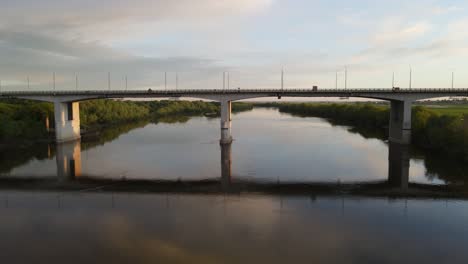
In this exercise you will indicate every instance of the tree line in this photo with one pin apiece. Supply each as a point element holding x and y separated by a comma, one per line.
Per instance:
<point>23,119</point>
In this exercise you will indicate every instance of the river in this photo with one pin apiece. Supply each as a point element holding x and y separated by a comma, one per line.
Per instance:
<point>268,146</point>
<point>119,225</point>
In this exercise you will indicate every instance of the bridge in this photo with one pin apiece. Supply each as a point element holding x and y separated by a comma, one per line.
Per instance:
<point>67,118</point>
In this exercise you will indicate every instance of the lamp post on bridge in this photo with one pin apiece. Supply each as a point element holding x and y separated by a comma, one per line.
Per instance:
<point>452,78</point>
<point>108,81</point>
<point>282,80</point>
<point>224,81</point>
<point>53,81</point>
<point>411,78</point>
<point>346,77</point>
<point>336,80</point>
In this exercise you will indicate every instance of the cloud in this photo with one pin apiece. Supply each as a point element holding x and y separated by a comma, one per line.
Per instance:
<point>440,10</point>
<point>68,37</point>
<point>253,39</point>
<point>396,34</point>
<point>89,18</point>
<point>38,55</point>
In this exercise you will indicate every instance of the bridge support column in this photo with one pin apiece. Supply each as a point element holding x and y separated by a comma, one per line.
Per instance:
<point>69,159</point>
<point>400,122</point>
<point>226,137</point>
<point>67,121</point>
<point>398,165</point>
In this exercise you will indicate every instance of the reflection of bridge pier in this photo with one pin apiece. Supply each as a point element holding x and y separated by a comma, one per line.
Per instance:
<point>398,165</point>
<point>69,159</point>
<point>226,168</point>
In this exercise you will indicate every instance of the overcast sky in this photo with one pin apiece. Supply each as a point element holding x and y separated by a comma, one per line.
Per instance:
<point>252,39</point>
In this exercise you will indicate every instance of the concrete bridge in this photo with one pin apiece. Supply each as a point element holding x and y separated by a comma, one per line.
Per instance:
<point>67,118</point>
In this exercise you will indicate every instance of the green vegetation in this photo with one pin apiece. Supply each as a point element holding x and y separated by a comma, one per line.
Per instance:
<point>367,115</point>
<point>21,119</point>
<point>106,112</point>
<point>191,108</point>
<point>24,119</point>
<point>430,129</point>
<point>170,108</point>
<point>456,110</point>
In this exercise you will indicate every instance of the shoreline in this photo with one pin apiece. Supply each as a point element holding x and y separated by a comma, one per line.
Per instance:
<point>377,189</point>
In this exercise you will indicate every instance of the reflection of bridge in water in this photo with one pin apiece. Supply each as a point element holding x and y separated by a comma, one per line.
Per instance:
<point>68,159</point>
<point>69,167</point>
<point>71,177</point>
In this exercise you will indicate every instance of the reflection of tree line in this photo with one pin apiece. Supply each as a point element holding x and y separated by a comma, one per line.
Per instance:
<point>103,135</point>
<point>99,137</point>
<point>437,165</point>
<point>14,155</point>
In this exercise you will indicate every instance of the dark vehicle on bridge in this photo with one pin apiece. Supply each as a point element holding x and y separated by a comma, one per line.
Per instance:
<point>395,89</point>
<point>314,88</point>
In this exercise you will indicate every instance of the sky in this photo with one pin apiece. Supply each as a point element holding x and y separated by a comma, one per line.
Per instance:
<point>253,40</point>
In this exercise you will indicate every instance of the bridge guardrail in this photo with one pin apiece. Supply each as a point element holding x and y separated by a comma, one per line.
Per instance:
<point>230,91</point>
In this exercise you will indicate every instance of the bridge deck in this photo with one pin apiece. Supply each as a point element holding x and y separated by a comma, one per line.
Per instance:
<point>303,91</point>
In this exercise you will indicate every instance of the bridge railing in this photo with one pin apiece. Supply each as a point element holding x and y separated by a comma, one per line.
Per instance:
<point>230,91</point>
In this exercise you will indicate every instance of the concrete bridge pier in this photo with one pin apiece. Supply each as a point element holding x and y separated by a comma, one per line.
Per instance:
<point>69,159</point>
<point>400,122</point>
<point>226,137</point>
<point>67,121</point>
<point>398,165</point>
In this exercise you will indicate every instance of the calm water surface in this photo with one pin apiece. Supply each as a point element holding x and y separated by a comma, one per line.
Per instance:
<point>268,146</point>
<point>154,228</point>
<point>115,227</point>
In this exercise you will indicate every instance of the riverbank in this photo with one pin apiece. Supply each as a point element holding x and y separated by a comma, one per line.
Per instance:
<point>236,187</point>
